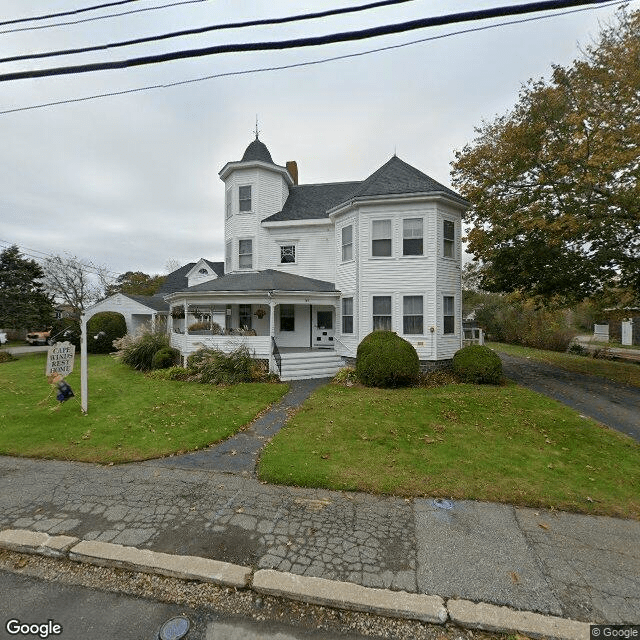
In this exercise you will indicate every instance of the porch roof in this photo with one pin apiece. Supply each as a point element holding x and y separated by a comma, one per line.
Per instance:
<point>260,281</point>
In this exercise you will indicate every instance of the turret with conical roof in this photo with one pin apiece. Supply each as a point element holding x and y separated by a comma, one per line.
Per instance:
<point>255,188</point>
<point>257,150</point>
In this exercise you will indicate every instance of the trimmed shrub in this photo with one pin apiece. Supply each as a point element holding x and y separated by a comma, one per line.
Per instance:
<point>103,329</point>
<point>164,358</point>
<point>477,364</point>
<point>137,352</point>
<point>5,356</point>
<point>67,330</point>
<point>384,359</point>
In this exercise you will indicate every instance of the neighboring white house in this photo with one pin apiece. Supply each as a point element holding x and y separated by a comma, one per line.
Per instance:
<point>310,270</point>
<point>149,311</point>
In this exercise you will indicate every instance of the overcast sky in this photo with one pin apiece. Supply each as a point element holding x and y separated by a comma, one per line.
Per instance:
<point>131,181</point>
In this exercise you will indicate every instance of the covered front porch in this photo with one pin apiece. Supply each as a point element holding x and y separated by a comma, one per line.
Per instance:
<point>276,325</point>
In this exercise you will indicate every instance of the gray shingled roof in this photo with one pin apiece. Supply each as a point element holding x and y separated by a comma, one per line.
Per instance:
<point>309,201</point>
<point>177,280</point>
<point>257,150</point>
<point>153,302</point>
<point>395,177</point>
<point>267,280</point>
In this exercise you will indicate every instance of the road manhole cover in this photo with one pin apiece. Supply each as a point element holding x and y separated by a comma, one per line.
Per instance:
<point>174,629</point>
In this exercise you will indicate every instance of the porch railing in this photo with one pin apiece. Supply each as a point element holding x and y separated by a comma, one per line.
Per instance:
<point>472,335</point>
<point>276,354</point>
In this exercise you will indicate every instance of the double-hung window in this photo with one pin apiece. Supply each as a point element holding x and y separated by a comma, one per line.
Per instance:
<point>228,202</point>
<point>245,254</point>
<point>412,237</point>
<point>448,315</point>
<point>382,313</point>
<point>448,239</point>
<point>287,317</point>
<point>412,315</point>
<point>244,198</point>
<point>287,253</point>
<point>347,315</point>
<point>381,238</point>
<point>347,243</point>
<point>227,257</point>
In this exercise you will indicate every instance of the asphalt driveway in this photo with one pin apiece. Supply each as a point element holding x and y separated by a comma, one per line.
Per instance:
<point>611,403</point>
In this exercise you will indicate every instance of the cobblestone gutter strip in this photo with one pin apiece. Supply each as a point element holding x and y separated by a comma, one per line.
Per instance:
<point>343,595</point>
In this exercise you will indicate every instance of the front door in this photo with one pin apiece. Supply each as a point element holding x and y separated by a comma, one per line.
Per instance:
<point>323,331</point>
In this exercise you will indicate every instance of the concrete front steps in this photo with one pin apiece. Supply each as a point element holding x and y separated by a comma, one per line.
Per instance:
<point>320,363</point>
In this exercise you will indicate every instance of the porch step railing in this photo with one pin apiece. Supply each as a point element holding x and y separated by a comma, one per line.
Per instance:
<point>276,355</point>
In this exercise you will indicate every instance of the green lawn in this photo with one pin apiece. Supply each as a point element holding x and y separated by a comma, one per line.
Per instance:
<point>130,416</point>
<point>504,444</point>
<point>625,372</point>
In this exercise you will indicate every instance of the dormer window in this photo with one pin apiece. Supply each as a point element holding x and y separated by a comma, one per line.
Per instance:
<point>244,199</point>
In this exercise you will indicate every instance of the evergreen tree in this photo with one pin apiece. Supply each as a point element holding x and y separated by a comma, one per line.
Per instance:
<point>23,301</point>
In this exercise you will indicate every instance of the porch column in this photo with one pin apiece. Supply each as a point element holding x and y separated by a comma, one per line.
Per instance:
<point>153,323</point>
<point>272,309</point>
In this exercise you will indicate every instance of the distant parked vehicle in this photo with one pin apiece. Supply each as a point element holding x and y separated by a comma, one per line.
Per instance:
<point>3,337</point>
<point>38,337</point>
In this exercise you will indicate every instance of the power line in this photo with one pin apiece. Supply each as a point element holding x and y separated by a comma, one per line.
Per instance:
<point>109,15</point>
<point>347,36</point>
<point>307,63</point>
<point>199,30</point>
<point>67,13</point>
<point>27,251</point>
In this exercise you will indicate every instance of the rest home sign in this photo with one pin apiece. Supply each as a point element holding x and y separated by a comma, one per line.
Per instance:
<point>60,358</point>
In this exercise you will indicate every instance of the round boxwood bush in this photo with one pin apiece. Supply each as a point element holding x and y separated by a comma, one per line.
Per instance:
<point>477,364</point>
<point>103,329</point>
<point>164,358</point>
<point>384,359</point>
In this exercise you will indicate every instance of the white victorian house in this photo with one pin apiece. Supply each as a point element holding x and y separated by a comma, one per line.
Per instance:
<point>311,269</point>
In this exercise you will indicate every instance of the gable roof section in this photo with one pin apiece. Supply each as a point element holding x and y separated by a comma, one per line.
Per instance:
<point>312,201</point>
<point>177,280</point>
<point>267,280</point>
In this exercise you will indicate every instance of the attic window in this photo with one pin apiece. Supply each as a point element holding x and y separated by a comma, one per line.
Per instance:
<point>203,272</point>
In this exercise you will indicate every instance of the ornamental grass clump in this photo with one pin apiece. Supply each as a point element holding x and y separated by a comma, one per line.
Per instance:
<point>217,367</point>
<point>477,364</point>
<point>384,359</point>
<point>138,351</point>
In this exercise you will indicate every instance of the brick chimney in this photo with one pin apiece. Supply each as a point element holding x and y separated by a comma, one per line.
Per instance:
<point>292,168</point>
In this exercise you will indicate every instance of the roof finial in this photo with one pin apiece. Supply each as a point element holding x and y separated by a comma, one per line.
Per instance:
<point>257,131</point>
<point>395,155</point>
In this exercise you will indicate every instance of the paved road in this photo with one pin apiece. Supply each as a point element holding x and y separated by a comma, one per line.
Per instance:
<point>85,613</point>
<point>575,566</point>
<point>612,404</point>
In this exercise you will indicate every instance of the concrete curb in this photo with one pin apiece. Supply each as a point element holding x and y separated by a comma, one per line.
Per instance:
<point>186,567</point>
<point>346,595</point>
<point>489,617</point>
<point>343,595</point>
